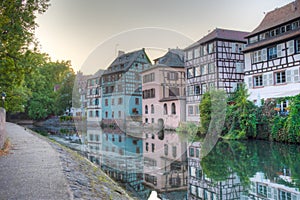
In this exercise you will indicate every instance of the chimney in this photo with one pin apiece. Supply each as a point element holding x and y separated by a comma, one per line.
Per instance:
<point>120,53</point>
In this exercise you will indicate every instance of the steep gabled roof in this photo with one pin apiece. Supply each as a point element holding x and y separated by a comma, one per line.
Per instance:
<point>222,34</point>
<point>126,60</point>
<point>278,17</point>
<point>173,58</point>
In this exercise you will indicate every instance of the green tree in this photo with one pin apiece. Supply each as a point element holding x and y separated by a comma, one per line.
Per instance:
<point>292,124</point>
<point>17,25</point>
<point>240,117</point>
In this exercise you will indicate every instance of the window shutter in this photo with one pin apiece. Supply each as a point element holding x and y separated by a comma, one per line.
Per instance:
<point>250,82</point>
<point>265,80</point>
<point>279,50</point>
<point>271,79</point>
<point>291,48</point>
<point>264,54</point>
<point>288,76</point>
<point>296,75</point>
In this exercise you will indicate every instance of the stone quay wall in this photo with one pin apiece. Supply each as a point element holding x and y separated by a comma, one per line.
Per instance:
<point>2,127</point>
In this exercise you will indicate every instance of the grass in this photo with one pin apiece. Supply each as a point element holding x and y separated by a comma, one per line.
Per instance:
<point>5,150</point>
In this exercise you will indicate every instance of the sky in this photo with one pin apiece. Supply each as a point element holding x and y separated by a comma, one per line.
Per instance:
<point>90,33</point>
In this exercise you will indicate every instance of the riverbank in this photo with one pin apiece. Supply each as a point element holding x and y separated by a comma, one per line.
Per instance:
<point>39,168</point>
<point>85,179</point>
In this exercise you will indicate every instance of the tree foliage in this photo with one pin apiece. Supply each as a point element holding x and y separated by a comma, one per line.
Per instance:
<point>240,117</point>
<point>17,48</point>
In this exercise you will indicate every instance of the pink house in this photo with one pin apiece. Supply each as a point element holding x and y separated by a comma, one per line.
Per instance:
<point>164,91</point>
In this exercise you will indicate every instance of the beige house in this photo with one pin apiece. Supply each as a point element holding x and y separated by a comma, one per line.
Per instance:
<point>164,91</point>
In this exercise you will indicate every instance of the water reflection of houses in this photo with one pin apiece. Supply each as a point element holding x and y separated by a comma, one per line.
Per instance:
<point>122,159</point>
<point>203,187</point>
<point>165,162</point>
<point>94,143</point>
<point>263,188</point>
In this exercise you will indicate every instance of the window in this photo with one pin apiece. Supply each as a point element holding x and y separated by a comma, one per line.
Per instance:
<point>97,113</point>
<point>173,109</point>
<point>298,46</point>
<point>147,147</point>
<point>106,114</point>
<point>172,76</point>
<point>113,114</point>
<point>147,94</point>
<point>203,69</point>
<point>197,89</point>
<point>204,88</point>
<point>120,101</point>
<point>190,110</point>
<point>113,102</point>
<point>166,151</point>
<point>120,138</point>
<point>253,39</point>
<point>149,78</point>
<point>211,68</point>
<point>152,109</point>
<point>153,147</point>
<point>211,47</point>
<point>258,81</point>
<point>192,153</point>
<point>197,52</point>
<point>190,90</point>
<point>106,102</point>
<point>119,114</point>
<point>146,121</point>
<point>165,109</point>
<point>91,114</point>
<point>146,109</point>
<point>190,55</point>
<point>197,71</point>
<point>272,52</point>
<point>137,101</point>
<point>280,77</point>
<point>190,72</point>
<point>152,120</point>
<point>262,190</point>
<point>174,151</point>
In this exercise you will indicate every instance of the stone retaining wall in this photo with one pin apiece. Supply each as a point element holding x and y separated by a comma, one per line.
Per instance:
<point>2,126</point>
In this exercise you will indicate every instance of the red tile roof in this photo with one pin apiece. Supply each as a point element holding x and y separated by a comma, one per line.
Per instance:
<point>278,16</point>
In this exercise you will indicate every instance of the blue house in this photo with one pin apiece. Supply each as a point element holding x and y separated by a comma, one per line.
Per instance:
<point>122,88</point>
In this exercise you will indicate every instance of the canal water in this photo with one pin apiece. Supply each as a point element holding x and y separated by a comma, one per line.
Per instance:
<point>163,165</point>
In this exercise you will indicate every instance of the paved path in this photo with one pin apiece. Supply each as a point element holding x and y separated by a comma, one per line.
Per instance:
<point>32,170</point>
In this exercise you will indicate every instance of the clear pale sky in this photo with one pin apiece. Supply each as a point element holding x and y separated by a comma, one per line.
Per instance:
<point>90,32</point>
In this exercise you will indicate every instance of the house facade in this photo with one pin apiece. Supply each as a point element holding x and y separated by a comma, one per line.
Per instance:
<point>214,62</point>
<point>164,91</point>
<point>79,103</point>
<point>94,98</point>
<point>122,88</point>
<point>272,56</point>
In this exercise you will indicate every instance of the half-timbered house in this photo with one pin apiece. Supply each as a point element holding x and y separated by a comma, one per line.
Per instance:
<point>272,56</point>
<point>215,61</point>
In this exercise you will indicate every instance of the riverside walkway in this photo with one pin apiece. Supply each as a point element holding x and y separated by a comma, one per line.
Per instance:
<point>39,169</point>
<point>32,169</point>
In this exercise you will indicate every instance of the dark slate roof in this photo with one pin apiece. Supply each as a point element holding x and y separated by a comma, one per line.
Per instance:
<point>278,17</point>
<point>97,74</point>
<point>222,34</point>
<point>173,58</point>
<point>126,59</point>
